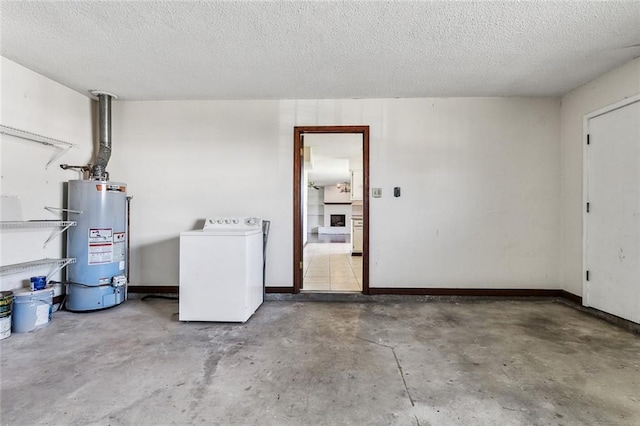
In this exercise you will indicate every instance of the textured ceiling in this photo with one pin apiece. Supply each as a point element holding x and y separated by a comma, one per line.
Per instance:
<point>144,50</point>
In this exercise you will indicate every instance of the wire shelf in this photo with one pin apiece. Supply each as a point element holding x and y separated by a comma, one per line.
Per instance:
<point>40,224</point>
<point>44,140</point>
<point>62,146</point>
<point>56,264</point>
<point>21,224</point>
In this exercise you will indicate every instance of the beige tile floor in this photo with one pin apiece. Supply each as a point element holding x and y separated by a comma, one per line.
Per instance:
<point>330,267</point>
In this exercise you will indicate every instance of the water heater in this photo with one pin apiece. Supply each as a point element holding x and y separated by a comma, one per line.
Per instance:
<point>98,243</point>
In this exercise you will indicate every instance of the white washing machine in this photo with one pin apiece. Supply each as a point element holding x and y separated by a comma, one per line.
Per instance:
<point>221,267</point>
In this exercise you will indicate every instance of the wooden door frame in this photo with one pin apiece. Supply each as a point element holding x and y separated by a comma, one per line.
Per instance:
<point>298,158</point>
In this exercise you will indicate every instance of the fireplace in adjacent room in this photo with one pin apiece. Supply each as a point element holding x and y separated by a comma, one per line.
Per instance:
<point>338,220</point>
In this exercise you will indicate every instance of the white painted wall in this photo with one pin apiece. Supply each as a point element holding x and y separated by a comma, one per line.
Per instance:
<point>184,161</point>
<point>479,178</point>
<point>332,194</point>
<point>612,87</point>
<point>39,105</point>
<point>480,199</point>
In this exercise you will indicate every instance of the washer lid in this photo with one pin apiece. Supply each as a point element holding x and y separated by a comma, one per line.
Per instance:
<point>233,222</point>
<point>222,232</point>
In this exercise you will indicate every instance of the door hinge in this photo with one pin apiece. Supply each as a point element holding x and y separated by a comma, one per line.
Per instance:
<point>588,207</point>
<point>300,264</point>
<point>302,152</point>
<point>587,275</point>
<point>588,139</point>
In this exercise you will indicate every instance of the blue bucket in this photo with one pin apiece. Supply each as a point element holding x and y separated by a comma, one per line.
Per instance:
<point>31,309</point>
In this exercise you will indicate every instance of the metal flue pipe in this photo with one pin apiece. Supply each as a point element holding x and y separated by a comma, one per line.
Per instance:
<point>99,169</point>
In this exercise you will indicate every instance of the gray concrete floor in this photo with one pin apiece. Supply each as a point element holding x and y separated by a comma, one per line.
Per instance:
<point>315,363</point>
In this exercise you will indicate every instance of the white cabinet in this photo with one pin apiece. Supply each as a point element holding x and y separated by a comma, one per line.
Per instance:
<point>357,184</point>
<point>356,236</point>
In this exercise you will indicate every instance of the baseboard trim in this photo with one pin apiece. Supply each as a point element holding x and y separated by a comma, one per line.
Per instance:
<point>279,290</point>
<point>572,297</point>
<point>173,289</point>
<point>475,292</point>
<point>611,319</point>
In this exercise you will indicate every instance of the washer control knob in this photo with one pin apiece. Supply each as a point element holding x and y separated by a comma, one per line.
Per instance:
<point>235,221</point>
<point>227,221</point>
<point>219,221</point>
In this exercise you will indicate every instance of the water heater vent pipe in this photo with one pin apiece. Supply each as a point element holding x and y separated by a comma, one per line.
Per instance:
<point>99,169</point>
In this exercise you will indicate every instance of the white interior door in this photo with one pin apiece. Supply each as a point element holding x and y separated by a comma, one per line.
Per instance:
<point>612,225</point>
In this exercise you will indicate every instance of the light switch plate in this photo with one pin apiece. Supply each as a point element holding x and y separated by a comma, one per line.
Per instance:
<point>376,192</point>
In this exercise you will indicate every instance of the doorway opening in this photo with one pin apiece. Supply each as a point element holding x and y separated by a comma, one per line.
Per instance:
<point>331,209</point>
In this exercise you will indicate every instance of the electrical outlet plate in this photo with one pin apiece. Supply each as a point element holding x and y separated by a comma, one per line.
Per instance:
<point>376,192</point>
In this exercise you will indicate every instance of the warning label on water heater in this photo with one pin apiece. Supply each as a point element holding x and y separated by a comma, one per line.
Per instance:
<point>100,246</point>
<point>100,235</point>
<point>119,251</point>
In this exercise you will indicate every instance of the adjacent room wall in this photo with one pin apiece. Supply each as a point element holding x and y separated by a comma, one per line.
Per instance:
<point>479,177</point>
<point>610,88</point>
<point>37,104</point>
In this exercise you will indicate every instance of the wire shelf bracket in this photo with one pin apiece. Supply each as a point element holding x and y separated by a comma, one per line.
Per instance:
<point>55,265</point>
<point>62,146</point>
<point>40,224</point>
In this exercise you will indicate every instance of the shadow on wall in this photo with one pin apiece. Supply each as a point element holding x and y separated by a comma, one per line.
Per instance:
<point>156,264</point>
